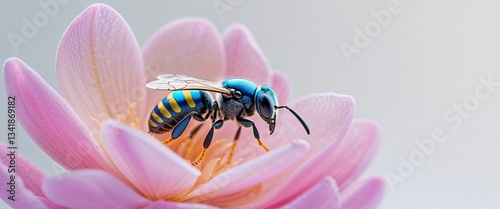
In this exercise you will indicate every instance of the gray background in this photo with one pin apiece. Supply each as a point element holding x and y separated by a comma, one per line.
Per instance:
<point>428,58</point>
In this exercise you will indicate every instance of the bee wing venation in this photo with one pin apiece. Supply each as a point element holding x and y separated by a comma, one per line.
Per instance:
<point>174,82</point>
<point>164,85</point>
<point>174,77</point>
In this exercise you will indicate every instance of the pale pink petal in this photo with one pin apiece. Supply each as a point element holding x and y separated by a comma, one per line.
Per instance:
<point>21,196</point>
<point>244,58</point>
<point>49,204</point>
<point>31,176</point>
<point>324,194</point>
<point>364,194</point>
<point>281,87</point>
<point>160,204</point>
<point>188,46</point>
<point>91,189</point>
<point>157,171</point>
<point>100,67</point>
<point>355,152</point>
<point>48,119</point>
<point>328,127</point>
<point>250,173</point>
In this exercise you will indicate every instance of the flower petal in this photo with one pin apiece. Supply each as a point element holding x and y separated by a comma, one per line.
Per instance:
<point>355,152</point>
<point>245,60</point>
<point>243,56</point>
<point>160,204</point>
<point>189,46</point>
<point>324,194</point>
<point>91,189</point>
<point>99,66</point>
<point>281,87</point>
<point>364,194</point>
<point>32,177</point>
<point>22,196</point>
<point>158,172</point>
<point>250,173</point>
<point>329,117</point>
<point>48,119</point>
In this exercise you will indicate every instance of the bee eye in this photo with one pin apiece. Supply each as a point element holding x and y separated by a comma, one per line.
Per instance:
<point>266,106</point>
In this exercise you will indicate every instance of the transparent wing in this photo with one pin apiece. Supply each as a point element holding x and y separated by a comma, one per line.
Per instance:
<point>174,82</point>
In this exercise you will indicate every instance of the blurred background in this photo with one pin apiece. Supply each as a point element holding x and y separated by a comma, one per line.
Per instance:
<point>413,66</point>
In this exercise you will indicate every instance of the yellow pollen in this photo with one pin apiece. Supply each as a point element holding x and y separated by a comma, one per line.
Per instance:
<point>216,160</point>
<point>128,118</point>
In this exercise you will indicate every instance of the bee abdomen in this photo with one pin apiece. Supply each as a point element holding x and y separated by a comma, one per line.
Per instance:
<point>175,106</point>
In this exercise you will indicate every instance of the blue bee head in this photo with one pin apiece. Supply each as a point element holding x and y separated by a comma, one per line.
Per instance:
<point>266,103</point>
<point>264,100</point>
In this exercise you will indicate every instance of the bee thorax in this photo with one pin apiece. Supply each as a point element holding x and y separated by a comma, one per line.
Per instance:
<point>230,109</point>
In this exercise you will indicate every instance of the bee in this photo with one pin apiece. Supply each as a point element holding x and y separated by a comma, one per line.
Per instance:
<point>236,99</point>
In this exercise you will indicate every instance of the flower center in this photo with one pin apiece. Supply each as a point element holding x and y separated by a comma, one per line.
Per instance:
<point>128,118</point>
<point>217,159</point>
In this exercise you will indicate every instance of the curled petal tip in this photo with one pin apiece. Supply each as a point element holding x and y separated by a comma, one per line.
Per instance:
<point>302,144</point>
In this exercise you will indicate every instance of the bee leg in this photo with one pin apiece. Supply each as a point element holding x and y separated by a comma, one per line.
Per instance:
<point>248,123</point>
<point>215,109</point>
<point>164,142</point>
<point>179,128</point>
<point>200,158</point>
<point>199,117</point>
<point>167,141</point>
<point>233,147</point>
<point>212,109</point>
<point>206,144</point>
<point>208,140</point>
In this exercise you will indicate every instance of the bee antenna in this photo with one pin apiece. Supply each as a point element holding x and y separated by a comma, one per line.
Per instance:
<point>296,116</point>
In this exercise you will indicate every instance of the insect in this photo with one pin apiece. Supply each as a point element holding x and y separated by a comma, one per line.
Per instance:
<point>236,99</point>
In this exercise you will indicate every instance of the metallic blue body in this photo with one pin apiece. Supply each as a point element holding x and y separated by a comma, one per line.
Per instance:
<point>246,87</point>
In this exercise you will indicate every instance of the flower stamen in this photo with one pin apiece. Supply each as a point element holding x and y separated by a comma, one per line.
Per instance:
<point>230,157</point>
<point>129,118</point>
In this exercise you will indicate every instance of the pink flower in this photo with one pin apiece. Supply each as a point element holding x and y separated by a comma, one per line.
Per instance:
<point>113,163</point>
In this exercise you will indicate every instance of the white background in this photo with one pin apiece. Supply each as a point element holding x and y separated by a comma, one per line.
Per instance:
<point>428,58</point>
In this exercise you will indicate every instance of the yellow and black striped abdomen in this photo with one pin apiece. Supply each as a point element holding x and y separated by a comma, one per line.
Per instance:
<point>176,106</point>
